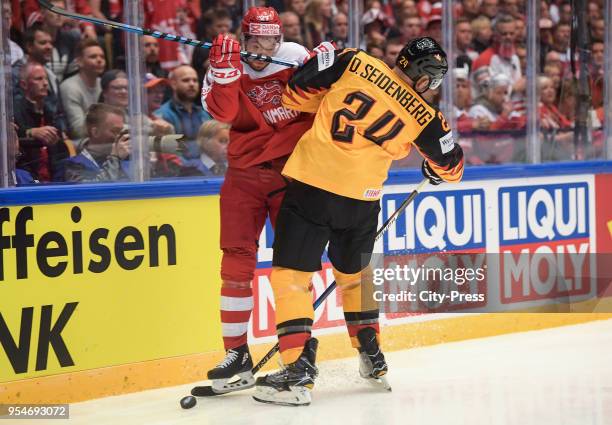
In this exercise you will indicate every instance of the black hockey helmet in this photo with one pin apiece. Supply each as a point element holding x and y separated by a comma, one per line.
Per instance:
<point>423,56</point>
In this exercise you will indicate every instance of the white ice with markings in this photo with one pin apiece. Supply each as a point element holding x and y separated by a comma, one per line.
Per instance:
<point>560,376</point>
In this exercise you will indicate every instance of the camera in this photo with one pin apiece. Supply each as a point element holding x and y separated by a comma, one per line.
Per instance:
<point>169,143</point>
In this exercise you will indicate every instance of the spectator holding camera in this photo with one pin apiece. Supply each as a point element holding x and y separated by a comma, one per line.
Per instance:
<point>40,129</point>
<point>104,154</point>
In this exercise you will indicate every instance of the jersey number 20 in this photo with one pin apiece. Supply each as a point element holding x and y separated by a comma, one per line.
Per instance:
<point>346,134</point>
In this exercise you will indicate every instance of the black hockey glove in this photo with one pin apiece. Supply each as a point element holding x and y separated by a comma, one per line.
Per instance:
<point>430,174</point>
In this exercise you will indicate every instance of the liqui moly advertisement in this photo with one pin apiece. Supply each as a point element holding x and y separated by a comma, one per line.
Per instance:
<point>494,245</point>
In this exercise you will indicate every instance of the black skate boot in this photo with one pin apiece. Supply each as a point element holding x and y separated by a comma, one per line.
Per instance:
<point>372,364</point>
<point>237,361</point>
<point>290,386</point>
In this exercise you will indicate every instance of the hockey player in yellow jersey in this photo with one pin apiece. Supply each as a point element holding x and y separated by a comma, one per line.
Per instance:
<point>367,115</point>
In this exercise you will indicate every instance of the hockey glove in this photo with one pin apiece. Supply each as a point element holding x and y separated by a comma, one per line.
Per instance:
<point>429,173</point>
<point>225,64</point>
<point>326,48</point>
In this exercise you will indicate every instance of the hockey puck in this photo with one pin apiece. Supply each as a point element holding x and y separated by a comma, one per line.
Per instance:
<point>188,402</point>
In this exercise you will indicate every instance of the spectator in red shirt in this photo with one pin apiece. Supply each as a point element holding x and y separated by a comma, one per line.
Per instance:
<point>550,116</point>
<point>501,57</point>
<point>162,15</point>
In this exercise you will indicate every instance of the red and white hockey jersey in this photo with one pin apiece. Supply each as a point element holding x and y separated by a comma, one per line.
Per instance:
<point>262,128</point>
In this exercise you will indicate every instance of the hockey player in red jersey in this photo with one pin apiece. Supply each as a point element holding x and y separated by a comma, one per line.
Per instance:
<point>247,95</point>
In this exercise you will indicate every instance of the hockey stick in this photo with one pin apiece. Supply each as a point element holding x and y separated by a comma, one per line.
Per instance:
<point>158,34</point>
<point>206,390</point>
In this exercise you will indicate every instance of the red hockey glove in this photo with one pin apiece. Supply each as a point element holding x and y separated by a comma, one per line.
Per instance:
<point>225,65</point>
<point>325,48</point>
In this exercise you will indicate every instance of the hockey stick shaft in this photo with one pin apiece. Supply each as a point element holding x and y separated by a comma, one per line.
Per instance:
<point>158,34</point>
<point>331,287</point>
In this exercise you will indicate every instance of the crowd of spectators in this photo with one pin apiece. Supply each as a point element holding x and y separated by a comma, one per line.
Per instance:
<point>69,76</point>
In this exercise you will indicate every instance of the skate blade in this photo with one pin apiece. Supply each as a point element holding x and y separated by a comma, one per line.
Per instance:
<point>378,382</point>
<point>222,386</point>
<point>296,396</point>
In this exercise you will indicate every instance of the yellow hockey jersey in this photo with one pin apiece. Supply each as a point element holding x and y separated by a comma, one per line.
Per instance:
<point>366,117</point>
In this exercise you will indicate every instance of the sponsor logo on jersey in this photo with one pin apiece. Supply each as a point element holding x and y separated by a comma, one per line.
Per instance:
<point>267,98</point>
<point>264,29</point>
<point>267,94</point>
<point>272,116</point>
<point>448,221</point>
<point>325,60</point>
<point>447,143</point>
<point>544,239</point>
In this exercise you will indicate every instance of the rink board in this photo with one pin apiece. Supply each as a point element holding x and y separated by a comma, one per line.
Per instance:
<point>114,288</point>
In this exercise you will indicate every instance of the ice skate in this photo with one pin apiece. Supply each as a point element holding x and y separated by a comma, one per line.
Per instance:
<point>290,386</point>
<point>237,362</point>
<point>372,364</point>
